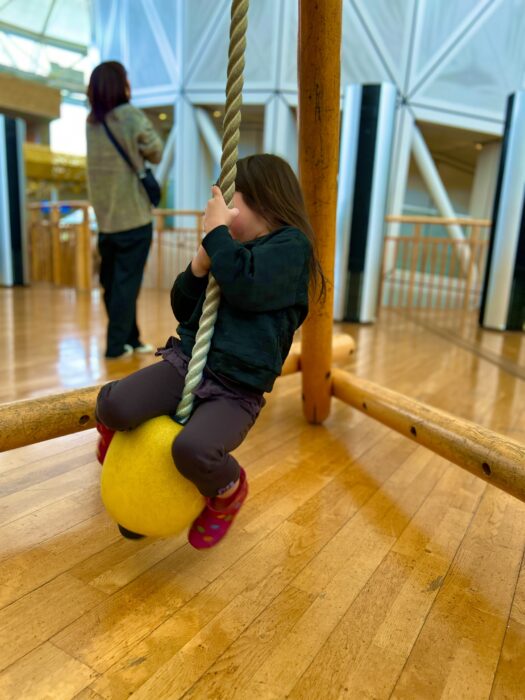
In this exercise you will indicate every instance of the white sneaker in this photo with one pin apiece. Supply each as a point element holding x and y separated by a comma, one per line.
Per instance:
<point>128,350</point>
<point>144,349</point>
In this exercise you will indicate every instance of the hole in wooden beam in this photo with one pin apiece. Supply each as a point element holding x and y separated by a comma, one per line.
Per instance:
<point>83,420</point>
<point>413,431</point>
<point>486,468</point>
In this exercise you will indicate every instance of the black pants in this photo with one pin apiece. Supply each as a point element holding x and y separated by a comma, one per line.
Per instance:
<point>123,258</point>
<point>217,426</point>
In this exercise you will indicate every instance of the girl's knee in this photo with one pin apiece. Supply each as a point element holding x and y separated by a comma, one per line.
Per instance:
<point>191,458</point>
<point>183,453</point>
<point>112,413</point>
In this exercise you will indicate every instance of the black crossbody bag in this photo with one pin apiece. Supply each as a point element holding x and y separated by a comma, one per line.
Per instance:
<point>146,177</point>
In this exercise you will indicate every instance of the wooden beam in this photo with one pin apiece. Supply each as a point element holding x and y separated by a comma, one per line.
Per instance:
<point>34,420</point>
<point>28,98</point>
<point>441,220</point>
<point>342,346</point>
<point>319,67</point>
<point>493,457</point>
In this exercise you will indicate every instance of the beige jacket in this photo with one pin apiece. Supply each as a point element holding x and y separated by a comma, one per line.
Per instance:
<point>118,198</point>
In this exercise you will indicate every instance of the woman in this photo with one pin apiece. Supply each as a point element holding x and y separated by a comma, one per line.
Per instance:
<point>121,205</point>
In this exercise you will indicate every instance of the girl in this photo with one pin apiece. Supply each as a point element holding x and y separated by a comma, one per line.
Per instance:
<point>121,204</point>
<point>262,255</point>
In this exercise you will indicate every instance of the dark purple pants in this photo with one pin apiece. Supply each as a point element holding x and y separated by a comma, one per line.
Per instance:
<point>220,421</point>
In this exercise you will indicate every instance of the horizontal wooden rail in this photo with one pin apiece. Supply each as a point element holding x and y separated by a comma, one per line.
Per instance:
<point>429,239</point>
<point>342,346</point>
<point>179,212</point>
<point>493,457</point>
<point>72,203</point>
<point>34,420</point>
<point>440,220</point>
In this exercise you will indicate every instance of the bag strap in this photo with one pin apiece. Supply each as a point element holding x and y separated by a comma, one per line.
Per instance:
<point>119,147</point>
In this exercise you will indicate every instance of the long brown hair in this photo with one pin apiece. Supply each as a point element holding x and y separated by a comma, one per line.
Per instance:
<point>270,188</point>
<point>107,89</point>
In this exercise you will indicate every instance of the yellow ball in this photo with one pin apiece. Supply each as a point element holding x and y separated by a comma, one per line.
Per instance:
<point>141,487</point>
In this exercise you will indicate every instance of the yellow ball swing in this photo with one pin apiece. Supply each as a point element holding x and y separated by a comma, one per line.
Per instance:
<point>141,488</point>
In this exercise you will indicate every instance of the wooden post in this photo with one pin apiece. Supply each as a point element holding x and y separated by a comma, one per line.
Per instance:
<point>83,253</point>
<point>54,229</point>
<point>391,301</point>
<point>413,263</point>
<point>424,260</point>
<point>439,281</point>
<point>432,268</point>
<point>405,258</point>
<point>468,284</point>
<point>456,271</point>
<point>319,66</point>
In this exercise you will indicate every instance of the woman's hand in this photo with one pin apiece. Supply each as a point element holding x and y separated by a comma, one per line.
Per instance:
<point>201,263</point>
<point>217,213</point>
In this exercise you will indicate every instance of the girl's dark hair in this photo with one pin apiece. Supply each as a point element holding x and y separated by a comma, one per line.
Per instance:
<point>270,188</point>
<point>107,89</point>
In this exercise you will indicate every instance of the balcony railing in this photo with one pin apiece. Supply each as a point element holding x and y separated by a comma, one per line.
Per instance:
<point>63,249</point>
<point>424,267</point>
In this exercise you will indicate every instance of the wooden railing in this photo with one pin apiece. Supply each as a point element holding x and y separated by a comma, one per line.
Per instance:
<point>177,235</point>
<point>427,270</point>
<point>63,248</point>
<point>420,270</point>
<point>60,244</point>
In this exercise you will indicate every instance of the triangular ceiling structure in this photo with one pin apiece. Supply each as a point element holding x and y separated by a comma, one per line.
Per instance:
<point>460,59</point>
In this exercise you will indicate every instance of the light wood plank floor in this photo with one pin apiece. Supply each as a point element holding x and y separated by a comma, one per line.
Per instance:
<point>362,566</point>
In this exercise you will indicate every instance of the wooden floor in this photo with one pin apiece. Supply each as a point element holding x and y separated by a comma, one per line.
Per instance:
<point>362,566</point>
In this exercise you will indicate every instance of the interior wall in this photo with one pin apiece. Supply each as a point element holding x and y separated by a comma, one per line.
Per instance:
<point>457,183</point>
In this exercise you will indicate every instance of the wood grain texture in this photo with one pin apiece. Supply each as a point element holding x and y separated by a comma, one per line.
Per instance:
<point>35,420</point>
<point>491,456</point>
<point>362,565</point>
<point>319,68</point>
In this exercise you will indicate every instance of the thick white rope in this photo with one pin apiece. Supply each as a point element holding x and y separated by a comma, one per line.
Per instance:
<point>230,142</point>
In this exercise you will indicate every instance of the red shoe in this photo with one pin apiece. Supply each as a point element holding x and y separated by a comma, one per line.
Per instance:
<point>212,524</point>
<point>106,435</point>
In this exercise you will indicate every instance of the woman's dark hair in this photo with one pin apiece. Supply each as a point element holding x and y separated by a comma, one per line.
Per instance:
<point>107,89</point>
<point>270,188</point>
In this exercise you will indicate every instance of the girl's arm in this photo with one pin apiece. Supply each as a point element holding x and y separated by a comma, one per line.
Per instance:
<point>268,276</point>
<point>185,294</point>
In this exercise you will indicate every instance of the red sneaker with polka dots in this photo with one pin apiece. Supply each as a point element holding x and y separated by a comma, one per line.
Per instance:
<point>106,435</point>
<point>217,517</point>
